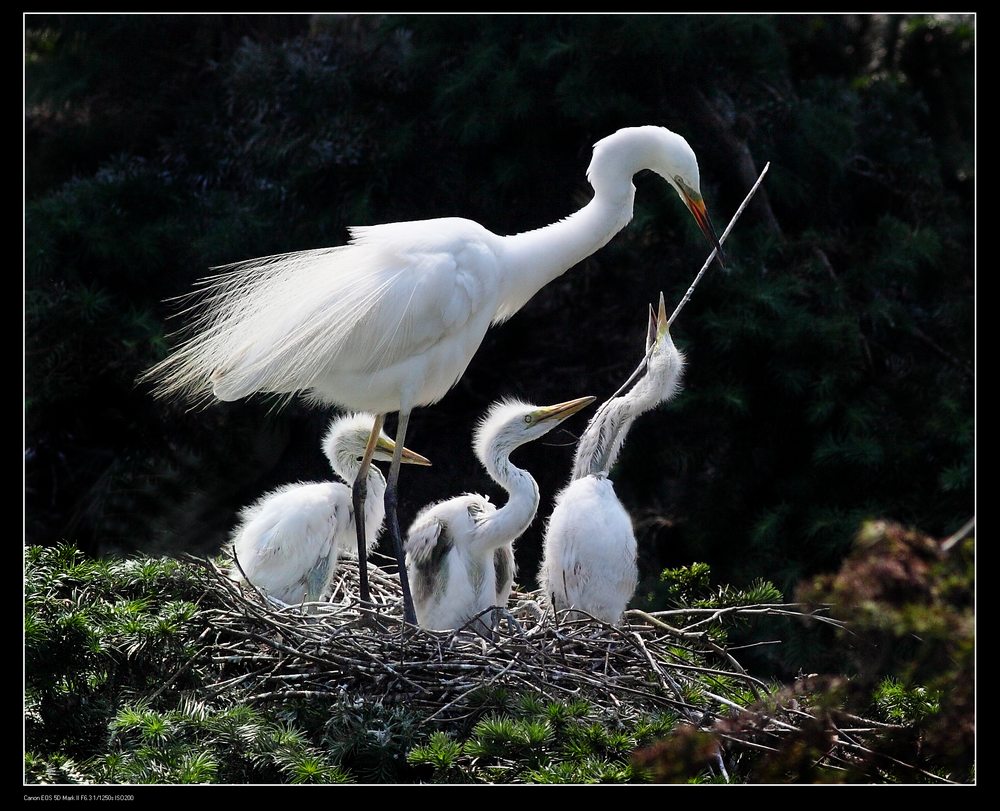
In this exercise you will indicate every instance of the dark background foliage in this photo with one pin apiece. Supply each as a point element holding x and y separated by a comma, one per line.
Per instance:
<point>830,366</point>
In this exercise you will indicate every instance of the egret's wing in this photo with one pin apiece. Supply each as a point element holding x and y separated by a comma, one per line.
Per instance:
<point>427,546</point>
<point>422,540</point>
<point>284,542</point>
<point>275,324</point>
<point>504,569</point>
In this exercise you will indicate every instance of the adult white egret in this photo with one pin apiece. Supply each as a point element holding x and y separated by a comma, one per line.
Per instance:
<point>288,542</point>
<point>589,560</point>
<point>390,321</point>
<point>459,552</point>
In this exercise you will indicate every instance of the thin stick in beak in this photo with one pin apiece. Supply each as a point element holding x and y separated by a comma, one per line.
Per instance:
<point>725,234</point>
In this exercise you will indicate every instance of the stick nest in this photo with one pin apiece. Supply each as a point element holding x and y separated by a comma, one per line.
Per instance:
<point>342,649</point>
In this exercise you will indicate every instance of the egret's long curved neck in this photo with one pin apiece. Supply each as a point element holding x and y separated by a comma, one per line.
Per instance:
<point>602,440</point>
<point>514,517</point>
<point>533,259</point>
<point>605,434</point>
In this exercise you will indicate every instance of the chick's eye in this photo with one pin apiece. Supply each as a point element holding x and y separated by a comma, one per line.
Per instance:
<point>360,458</point>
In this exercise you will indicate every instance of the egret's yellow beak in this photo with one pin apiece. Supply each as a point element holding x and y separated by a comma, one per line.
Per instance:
<point>696,205</point>
<point>561,411</point>
<point>408,457</point>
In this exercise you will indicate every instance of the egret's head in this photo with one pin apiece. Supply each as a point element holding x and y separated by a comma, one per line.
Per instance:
<point>510,423</point>
<point>347,438</point>
<point>676,163</point>
<point>623,153</point>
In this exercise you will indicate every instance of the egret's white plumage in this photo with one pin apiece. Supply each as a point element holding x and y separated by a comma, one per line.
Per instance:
<point>390,321</point>
<point>289,541</point>
<point>459,552</point>
<point>589,560</point>
<point>393,318</point>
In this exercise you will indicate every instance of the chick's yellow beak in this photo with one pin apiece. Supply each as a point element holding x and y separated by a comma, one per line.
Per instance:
<point>407,457</point>
<point>662,325</point>
<point>561,411</point>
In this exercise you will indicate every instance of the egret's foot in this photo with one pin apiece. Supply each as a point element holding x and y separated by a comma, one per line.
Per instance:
<point>372,618</point>
<point>500,612</point>
<point>281,605</point>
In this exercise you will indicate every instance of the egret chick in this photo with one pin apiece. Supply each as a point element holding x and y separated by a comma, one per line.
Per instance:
<point>390,321</point>
<point>589,559</point>
<point>288,542</point>
<point>459,552</point>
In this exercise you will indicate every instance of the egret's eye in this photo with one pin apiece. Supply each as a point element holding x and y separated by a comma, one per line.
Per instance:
<point>528,419</point>
<point>679,179</point>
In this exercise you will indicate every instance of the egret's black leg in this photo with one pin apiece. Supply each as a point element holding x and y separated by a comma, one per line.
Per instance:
<point>358,493</point>
<point>390,513</point>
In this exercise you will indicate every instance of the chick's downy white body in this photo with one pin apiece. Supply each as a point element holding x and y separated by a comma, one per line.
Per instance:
<point>592,565</point>
<point>289,541</point>
<point>459,552</point>
<point>589,560</point>
<point>453,582</point>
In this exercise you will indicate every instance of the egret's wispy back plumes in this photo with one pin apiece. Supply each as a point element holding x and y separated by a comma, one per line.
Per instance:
<point>274,324</point>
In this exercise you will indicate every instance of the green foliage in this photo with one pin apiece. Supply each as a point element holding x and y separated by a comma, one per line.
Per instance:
<point>119,689</point>
<point>690,586</point>
<point>113,665</point>
<point>909,607</point>
<point>197,743</point>
<point>93,633</point>
<point>540,741</point>
<point>53,769</point>
<point>900,705</point>
<point>441,755</point>
<point>372,739</point>
<point>686,583</point>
